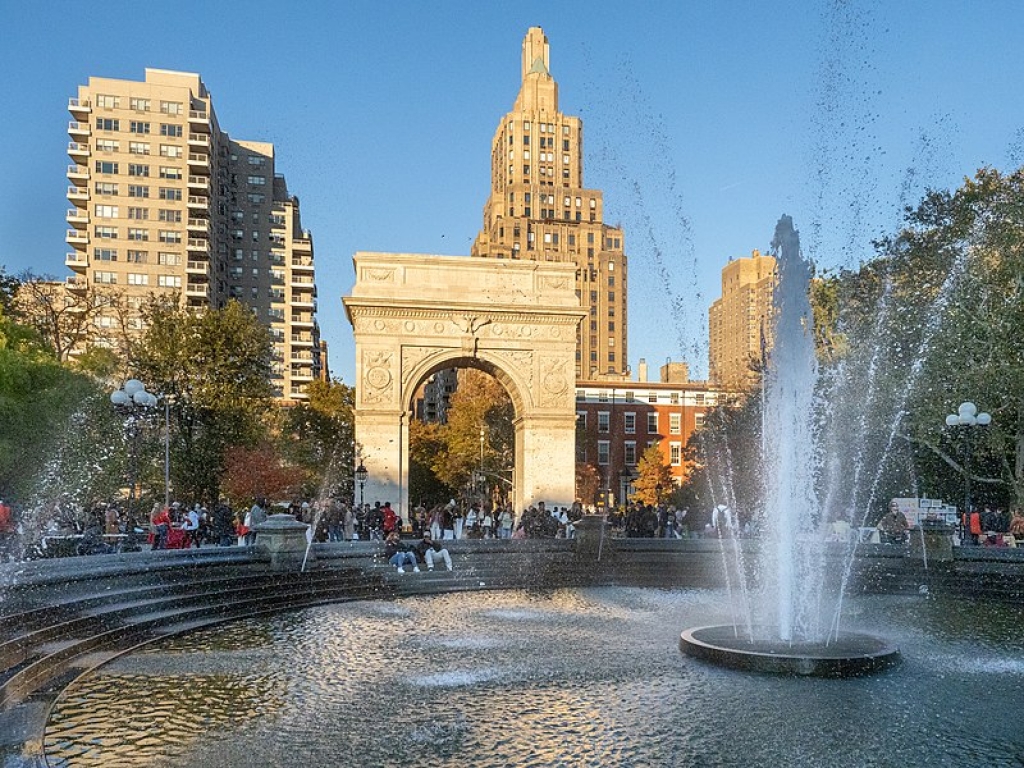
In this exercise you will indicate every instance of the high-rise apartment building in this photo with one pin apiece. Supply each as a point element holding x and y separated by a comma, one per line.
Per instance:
<point>167,202</point>
<point>739,323</point>
<point>539,209</point>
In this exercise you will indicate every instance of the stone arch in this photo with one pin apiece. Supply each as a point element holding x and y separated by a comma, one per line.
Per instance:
<point>413,314</point>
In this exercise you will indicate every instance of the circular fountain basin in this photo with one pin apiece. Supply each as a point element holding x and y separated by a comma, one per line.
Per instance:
<point>849,655</point>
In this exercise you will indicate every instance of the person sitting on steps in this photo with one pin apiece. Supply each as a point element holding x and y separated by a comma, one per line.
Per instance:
<point>398,554</point>
<point>429,550</point>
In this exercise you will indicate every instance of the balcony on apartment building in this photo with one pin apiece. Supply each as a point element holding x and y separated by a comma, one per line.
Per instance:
<point>302,340</point>
<point>79,107</point>
<point>77,238</point>
<point>196,201</point>
<point>199,227</point>
<point>197,268</point>
<point>303,283</point>
<point>198,163</point>
<point>303,244</point>
<point>302,319</point>
<point>78,173</point>
<point>78,151</point>
<point>197,290</point>
<point>302,263</point>
<point>303,301</point>
<point>199,120</point>
<point>200,142</point>
<point>76,261</point>
<point>79,130</point>
<point>198,245</point>
<point>199,184</point>
<point>76,282</point>
<point>78,194</point>
<point>77,217</point>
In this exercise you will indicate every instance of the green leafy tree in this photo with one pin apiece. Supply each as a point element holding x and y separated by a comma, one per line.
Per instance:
<point>319,437</point>
<point>214,366</point>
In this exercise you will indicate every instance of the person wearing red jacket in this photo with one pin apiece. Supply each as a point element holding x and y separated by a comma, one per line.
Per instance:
<point>161,521</point>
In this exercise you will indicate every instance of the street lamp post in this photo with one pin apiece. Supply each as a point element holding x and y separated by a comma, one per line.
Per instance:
<point>967,415</point>
<point>361,475</point>
<point>132,400</point>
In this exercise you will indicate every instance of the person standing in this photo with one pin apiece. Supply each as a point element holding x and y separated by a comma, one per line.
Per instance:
<point>892,527</point>
<point>191,527</point>
<point>257,516</point>
<point>160,521</point>
<point>335,513</point>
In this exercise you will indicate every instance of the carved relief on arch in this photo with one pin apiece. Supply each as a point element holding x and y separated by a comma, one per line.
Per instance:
<point>378,383</point>
<point>412,356</point>
<point>555,385</point>
<point>518,362</point>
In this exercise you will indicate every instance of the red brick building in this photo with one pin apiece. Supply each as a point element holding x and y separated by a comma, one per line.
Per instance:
<point>618,420</point>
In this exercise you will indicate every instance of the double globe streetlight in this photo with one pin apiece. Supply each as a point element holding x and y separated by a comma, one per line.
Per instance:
<point>134,400</point>
<point>967,415</point>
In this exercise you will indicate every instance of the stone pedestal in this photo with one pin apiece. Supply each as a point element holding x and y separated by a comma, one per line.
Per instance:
<point>284,538</point>
<point>591,531</point>
<point>933,541</point>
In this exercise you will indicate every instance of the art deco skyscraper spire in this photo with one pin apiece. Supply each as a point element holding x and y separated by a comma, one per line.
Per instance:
<point>539,209</point>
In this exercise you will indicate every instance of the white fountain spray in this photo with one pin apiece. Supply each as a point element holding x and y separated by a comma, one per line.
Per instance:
<point>788,439</point>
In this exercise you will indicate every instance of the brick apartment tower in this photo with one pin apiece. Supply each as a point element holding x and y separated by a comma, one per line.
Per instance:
<point>740,319</point>
<point>165,201</point>
<point>539,209</point>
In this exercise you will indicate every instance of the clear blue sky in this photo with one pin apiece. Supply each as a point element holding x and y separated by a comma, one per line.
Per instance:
<point>704,122</point>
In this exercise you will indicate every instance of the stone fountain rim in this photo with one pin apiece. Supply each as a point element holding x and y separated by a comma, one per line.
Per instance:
<point>852,655</point>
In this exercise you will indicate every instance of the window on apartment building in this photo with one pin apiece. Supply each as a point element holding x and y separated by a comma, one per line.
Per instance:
<point>107,102</point>
<point>137,190</point>
<point>138,126</point>
<point>171,215</point>
<point>169,172</point>
<point>107,145</point>
<point>170,193</point>
<point>134,169</point>
<point>105,254</point>
<point>138,278</point>
<point>256,198</point>
<point>603,451</point>
<point>603,421</point>
<point>104,278</point>
<point>629,453</point>
<point>256,180</point>
<point>138,257</point>
<point>169,129</point>
<point>168,281</point>
<point>652,422</point>
<point>675,421</point>
<point>257,160</point>
<point>170,150</point>
<point>139,105</point>
<point>138,213</point>
<point>169,236</point>
<point>108,124</point>
<point>629,423</point>
<point>106,211</point>
<point>674,398</point>
<point>105,233</point>
<point>168,259</point>
<point>699,398</point>
<point>675,454</point>
<point>171,107</point>
<point>135,233</point>
<point>105,166</point>
<point>698,420</point>
<point>138,147</point>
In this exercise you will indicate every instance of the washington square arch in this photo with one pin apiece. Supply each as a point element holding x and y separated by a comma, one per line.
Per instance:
<point>413,315</point>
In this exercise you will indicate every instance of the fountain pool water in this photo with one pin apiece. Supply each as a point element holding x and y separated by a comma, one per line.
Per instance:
<point>565,678</point>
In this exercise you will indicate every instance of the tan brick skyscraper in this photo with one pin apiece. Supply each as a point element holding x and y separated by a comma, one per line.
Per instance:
<point>164,201</point>
<point>740,321</point>
<point>539,210</point>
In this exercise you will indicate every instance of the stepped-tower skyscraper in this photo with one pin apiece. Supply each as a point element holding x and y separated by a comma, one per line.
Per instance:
<point>539,209</point>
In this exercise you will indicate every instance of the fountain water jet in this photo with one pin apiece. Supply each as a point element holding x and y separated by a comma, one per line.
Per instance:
<point>787,637</point>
